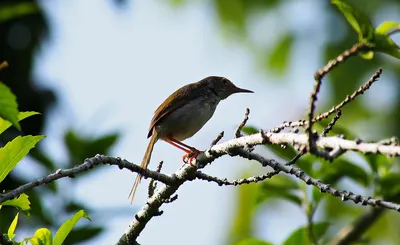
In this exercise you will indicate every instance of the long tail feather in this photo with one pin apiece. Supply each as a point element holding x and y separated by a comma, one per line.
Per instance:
<point>145,164</point>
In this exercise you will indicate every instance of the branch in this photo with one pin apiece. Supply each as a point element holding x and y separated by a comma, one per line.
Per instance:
<point>151,209</point>
<point>336,108</point>
<point>344,195</point>
<point>352,233</point>
<point>296,140</point>
<point>88,164</point>
<point>242,124</point>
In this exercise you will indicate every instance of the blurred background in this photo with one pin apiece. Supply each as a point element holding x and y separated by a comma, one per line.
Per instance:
<point>97,70</point>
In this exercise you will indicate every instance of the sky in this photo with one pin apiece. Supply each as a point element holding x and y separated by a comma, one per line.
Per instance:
<point>112,67</point>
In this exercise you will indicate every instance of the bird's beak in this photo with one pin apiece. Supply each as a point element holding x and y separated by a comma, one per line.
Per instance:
<point>242,90</point>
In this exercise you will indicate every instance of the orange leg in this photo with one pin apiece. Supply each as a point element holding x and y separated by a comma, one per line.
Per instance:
<point>191,152</point>
<point>177,146</point>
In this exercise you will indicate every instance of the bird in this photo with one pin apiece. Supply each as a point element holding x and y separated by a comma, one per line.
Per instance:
<point>183,114</point>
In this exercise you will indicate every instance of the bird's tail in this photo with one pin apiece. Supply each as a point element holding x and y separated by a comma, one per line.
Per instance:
<point>145,163</point>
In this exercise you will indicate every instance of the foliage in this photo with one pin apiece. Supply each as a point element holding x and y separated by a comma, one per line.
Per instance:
<point>14,151</point>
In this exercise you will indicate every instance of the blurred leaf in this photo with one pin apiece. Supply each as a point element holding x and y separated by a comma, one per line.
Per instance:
<point>387,26</point>
<point>8,106</point>
<point>73,206</point>
<point>249,130</point>
<point>42,156</point>
<point>242,221</point>
<point>42,237</point>
<point>66,228</point>
<point>80,235</point>
<point>377,162</point>
<point>234,14</point>
<point>252,241</point>
<point>367,55</point>
<point>337,129</point>
<point>11,229</point>
<point>22,203</point>
<point>287,154</point>
<point>279,187</point>
<point>10,11</point>
<point>385,44</point>
<point>337,210</point>
<point>4,124</point>
<point>359,21</point>
<point>389,185</point>
<point>332,173</point>
<point>279,59</point>
<point>14,151</point>
<point>317,195</point>
<point>300,235</point>
<point>81,148</point>
<point>305,163</point>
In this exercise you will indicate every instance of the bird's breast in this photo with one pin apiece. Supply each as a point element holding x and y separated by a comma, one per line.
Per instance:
<point>187,120</point>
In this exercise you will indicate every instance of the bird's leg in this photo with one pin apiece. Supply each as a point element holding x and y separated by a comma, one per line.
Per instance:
<point>191,152</point>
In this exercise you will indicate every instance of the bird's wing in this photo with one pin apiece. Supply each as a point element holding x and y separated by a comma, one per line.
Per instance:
<point>176,100</point>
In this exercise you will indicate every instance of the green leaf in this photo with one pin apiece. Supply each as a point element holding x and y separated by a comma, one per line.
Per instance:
<point>42,236</point>
<point>250,130</point>
<point>359,21</point>
<point>389,185</point>
<point>300,236</point>
<point>10,11</point>
<point>387,26</point>
<point>279,187</point>
<point>331,173</point>
<point>279,58</point>
<point>11,229</point>
<point>22,203</point>
<point>367,55</point>
<point>252,241</point>
<point>14,151</point>
<point>378,163</point>
<point>4,124</point>
<point>385,44</point>
<point>306,163</point>
<point>81,148</point>
<point>66,228</point>
<point>8,106</point>
<point>82,234</point>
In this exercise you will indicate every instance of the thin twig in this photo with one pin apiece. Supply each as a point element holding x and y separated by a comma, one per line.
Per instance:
<point>217,139</point>
<point>202,176</point>
<point>351,97</point>
<point>153,183</point>
<point>318,76</point>
<point>332,123</point>
<point>238,130</point>
<point>344,195</point>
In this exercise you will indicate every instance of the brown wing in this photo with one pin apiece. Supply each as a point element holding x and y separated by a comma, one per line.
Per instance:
<point>173,102</point>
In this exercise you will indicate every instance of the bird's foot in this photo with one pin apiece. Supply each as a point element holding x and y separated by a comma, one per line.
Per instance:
<point>192,155</point>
